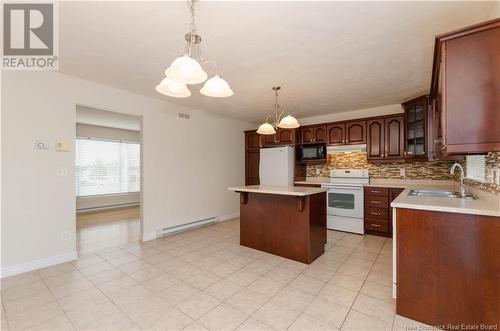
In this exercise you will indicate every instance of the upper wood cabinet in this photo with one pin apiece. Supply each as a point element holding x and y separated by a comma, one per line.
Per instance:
<point>416,128</point>
<point>281,137</point>
<point>385,138</point>
<point>252,139</point>
<point>313,134</point>
<point>346,133</point>
<point>465,86</point>
<point>253,143</point>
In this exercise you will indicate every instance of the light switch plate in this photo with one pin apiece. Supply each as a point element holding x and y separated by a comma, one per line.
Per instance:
<point>402,172</point>
<point>62,171</point>
<point>41,144</point>
<point>62,146</point>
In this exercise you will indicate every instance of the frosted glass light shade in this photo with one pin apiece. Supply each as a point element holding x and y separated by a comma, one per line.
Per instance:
<point>266,128</point>
<point>289,122</point>
<point>186,70</point>
<point>173,88</point>
<point>216,87</point>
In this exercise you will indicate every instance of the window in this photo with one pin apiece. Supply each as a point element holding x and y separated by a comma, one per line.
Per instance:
<point>476,167</point>
<point>106,167</point>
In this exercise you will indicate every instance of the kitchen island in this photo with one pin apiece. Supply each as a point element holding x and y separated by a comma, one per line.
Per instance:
<point>285,221</point>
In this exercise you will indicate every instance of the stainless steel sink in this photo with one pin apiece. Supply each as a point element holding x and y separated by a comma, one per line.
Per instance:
<point>439,194</point>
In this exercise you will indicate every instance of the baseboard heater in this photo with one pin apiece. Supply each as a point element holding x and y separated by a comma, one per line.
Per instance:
<point>184,227</point>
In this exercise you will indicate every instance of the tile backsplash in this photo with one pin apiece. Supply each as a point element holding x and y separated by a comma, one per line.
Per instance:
<point>437,170</point>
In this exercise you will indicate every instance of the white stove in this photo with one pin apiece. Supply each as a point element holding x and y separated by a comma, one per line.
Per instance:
<point>345,199</point>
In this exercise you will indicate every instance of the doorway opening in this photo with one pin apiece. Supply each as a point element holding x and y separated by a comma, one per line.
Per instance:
<point>108,172</point>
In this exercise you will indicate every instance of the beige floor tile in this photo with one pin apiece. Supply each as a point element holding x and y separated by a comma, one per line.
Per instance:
<point>157,258</point>
<point>327,311</point>
<point>206,262</point>
<point>29,318</point>
<point>58,323</point>
<point>198,305</point>
<point>402,323</point>
<point>362,322</point>
<point>88,261</point>
<point>353,270</point>
<point>158,284</point>
<point>281,274</point>
<point>96,268</point>
<point>380,278</point>
<point>131,294</point>
<point>224,269</point>
<point>64,279</point>
<point>259,267</point>
<point>307,323</point>
<point>251,324</point>
<point>14,307</point>
<point>26,289</point>
<point>223,289</point>
<point>266,286</point>
<point>339,295</point>
<point>171,265</point>
<point>346,281</point>
<point>82,298</point>
<point>307,284</point>
<point>186,271</point>
<point>90,313</point>
<point>320,273</point>
<point>56,270</point>
<point>195,326</point>
<point>243,277</point>
<point>169,319</point>
<point>377,291</point>
<point>294,266</point>
<point>293,298</point>
<point>19,280</point>
<point>178,293</point>
<point>276,315</point>
<point>375,307</point>
<point>105,276</point>
<point>71,287</point>
<point>223,317</point>
<point>247,301</point>
<point>116,321</point>
<point>146,273</point>
<point>134,266</point>
<point>202,280</point>
<point>116,285</point>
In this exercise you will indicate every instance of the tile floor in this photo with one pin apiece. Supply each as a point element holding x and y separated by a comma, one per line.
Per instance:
<point>204,280</point>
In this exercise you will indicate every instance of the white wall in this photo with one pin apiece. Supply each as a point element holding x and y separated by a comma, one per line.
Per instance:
<point>187,164</point>
<point>352,114</point>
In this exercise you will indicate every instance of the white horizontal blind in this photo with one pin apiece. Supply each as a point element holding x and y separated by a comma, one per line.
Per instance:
<point>106,167</point>
<point>476,165</point>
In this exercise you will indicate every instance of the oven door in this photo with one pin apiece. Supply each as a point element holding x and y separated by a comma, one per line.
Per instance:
<point>345,201</point>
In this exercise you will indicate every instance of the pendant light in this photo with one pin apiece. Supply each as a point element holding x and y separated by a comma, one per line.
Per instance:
<point>277,118</point>
<point>187,70</point>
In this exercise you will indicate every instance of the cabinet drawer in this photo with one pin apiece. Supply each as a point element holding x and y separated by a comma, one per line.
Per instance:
<point>377,202</point>
<point>377,213</point>
<point>377,225</point>
<point>378,191</point>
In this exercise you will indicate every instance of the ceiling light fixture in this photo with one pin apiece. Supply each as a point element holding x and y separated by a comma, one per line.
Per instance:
<point>187,70</point>
<point>279,118</point>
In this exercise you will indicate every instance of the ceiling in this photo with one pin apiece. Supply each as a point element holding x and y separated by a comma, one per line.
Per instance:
<point>92,116</point>
<point>328,56</point>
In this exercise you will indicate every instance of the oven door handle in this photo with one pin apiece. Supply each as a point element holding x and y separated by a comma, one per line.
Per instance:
<point>345,188</point>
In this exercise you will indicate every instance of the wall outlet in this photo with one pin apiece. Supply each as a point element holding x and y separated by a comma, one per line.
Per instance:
<point>41,144</point>
<point>64,235</point>
<point>402,172</point>
<point>318,172</point>
<point>62,171</point>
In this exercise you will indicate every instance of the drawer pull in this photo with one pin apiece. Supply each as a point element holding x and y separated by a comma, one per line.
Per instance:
<point>376,191</point>
<point>376,202</point>
<point>376,214</point>
<point>375,225</point>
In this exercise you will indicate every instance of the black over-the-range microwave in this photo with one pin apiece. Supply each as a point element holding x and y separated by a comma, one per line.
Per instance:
<point>313,152</point>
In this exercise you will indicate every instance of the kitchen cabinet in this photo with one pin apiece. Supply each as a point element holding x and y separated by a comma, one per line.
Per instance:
<point>313,134</point>
<point>281,137</point>
<point>252,139</point>
<point>347,133</point>
<point>378,211</point>
<point>253,143</point>
<point>415,143</point>
<point>464,89</point>
<point>385,138</point>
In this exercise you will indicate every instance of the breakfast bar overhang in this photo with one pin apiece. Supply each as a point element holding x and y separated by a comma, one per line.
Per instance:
<point>286,221</point>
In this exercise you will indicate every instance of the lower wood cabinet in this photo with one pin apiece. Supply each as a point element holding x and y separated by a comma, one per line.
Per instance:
<point>378,215</point>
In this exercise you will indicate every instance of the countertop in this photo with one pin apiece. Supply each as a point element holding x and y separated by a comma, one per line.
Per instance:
<point>314,180</point>
<point>280,190</point>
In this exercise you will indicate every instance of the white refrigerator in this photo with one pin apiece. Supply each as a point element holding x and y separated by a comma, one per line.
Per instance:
<point>277,166</point>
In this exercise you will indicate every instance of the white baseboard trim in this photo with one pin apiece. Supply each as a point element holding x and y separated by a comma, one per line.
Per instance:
<point>149,236</point>
<point>37,264</point>
<point>228,217</point>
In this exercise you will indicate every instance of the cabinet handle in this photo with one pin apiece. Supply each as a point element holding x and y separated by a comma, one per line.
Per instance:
<point>376,214</point>
<point>375,225</point>
<point>376,191</point>
<point>376,202</point>
<point>444,147</point>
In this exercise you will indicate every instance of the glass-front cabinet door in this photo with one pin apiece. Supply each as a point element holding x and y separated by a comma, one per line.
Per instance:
<point>415,141</point>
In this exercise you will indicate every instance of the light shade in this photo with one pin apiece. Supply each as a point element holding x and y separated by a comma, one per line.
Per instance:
<point>266,128</point>
<point>172,88</point>
<point>216,87</point>
<point>289,122</point>
<point>186,70</point>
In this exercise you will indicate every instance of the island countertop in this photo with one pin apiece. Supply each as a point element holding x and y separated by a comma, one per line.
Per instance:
<point>279,190</point>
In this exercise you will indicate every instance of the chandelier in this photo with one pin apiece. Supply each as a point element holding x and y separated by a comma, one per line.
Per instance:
<point>279,118</point>
<point>187,70</point>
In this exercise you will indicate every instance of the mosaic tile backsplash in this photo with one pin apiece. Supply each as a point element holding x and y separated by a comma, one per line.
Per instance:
<point>436,170</point>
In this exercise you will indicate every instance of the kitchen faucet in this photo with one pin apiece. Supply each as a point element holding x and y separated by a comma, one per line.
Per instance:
<point>462,175</point>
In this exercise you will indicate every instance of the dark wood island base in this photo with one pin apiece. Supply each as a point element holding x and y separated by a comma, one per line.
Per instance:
<point>289,226</point>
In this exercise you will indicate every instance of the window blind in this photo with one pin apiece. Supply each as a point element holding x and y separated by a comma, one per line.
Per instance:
<point>476,167</point>
<point>106,167</point>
